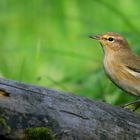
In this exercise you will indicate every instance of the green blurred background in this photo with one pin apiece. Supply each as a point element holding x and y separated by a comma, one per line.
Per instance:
<point>45,42</point>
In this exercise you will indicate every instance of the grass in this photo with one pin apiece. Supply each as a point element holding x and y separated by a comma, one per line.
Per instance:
<point>46,43</point>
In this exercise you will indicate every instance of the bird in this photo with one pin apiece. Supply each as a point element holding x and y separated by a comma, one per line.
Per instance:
<point>121,64</point>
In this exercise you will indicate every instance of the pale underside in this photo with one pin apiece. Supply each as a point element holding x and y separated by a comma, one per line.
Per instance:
<point>124,77</point>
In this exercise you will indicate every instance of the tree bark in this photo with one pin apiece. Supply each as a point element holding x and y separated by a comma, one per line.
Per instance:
<point>68,117</point>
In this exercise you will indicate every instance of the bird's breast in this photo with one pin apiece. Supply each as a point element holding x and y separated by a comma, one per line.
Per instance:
<point>122,77</point>
<point>111,68</point>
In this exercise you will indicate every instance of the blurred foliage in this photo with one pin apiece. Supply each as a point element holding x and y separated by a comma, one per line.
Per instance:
<point>45,42</point>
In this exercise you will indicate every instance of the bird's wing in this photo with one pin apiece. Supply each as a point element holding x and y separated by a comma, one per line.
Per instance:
<point>133,64</point>
<point>134,72</point>
<point>133,69</point>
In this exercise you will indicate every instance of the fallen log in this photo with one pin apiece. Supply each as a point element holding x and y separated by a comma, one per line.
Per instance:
<point>29,111</point>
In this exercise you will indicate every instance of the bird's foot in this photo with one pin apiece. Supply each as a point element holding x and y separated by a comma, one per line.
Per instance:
<point>132,106</point>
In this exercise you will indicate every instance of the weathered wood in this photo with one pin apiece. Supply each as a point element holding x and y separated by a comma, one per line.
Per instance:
<point>68,116</point>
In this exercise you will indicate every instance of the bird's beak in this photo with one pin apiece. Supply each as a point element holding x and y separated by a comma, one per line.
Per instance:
<point>97,37</point>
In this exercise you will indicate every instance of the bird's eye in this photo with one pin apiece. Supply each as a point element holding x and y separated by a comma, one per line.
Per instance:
<point>110,39</point>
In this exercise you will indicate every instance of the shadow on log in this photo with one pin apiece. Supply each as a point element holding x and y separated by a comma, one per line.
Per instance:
<point>68,117</point>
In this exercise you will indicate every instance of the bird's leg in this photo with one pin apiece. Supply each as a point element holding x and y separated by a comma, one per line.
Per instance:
<point>136,104</point>
<point>130,103</point>
<point>136,107</point>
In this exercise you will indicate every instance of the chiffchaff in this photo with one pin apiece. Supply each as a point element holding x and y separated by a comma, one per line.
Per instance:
<point>121,65</point>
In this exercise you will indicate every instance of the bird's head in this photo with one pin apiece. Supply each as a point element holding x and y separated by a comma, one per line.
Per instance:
<point>111,41</point>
